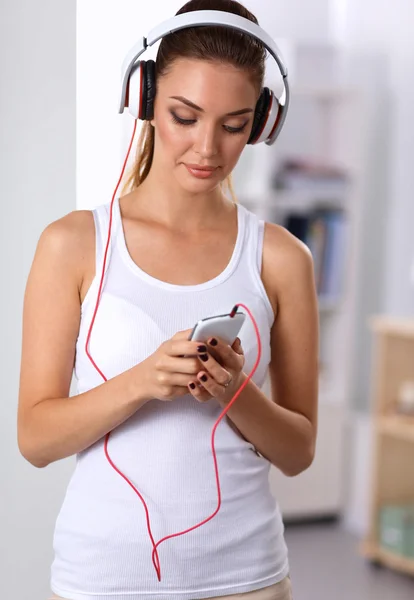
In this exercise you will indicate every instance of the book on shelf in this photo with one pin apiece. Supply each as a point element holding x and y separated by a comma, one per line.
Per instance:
<point>324,231</point>
<point>305,175</point>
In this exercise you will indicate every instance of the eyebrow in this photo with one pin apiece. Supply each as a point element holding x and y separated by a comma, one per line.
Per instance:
<point>192,105</point>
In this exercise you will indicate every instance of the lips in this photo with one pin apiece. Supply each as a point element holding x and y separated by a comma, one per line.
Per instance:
<point>200,172</point>
<point>201,168</point>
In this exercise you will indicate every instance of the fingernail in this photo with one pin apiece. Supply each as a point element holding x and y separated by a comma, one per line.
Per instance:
<point>203,378</point>
<point>201,348</point>
<point>213,342</point>
<point>192,386</point>
<point>204,357</point>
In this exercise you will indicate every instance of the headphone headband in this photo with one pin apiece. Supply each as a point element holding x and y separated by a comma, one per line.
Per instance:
<point>205,18</point>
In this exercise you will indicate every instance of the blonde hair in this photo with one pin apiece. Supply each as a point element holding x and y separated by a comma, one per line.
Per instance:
<point>211,43</point>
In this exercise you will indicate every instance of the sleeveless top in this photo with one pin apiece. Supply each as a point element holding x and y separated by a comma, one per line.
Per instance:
<point>102,549</point>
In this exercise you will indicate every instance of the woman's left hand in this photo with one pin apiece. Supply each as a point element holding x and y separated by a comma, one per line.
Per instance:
<point>219,378</point>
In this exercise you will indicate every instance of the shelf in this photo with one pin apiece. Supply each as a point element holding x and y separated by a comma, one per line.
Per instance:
<point>295,199</point>
<point>389,559</point>
<point>398,426</point>
<point>400,326</point>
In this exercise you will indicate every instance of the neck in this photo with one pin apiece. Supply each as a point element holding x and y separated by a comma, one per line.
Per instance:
<point>163,200</point>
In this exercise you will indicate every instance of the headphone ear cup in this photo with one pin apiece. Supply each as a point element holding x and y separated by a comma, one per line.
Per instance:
<point>143,101</point>
<point>148,99</point>
<point>136,90</point>
<point>267,116</point>
<point>259,115</point>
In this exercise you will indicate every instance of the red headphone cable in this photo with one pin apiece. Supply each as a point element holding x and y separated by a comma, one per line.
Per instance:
<point>155,545</point>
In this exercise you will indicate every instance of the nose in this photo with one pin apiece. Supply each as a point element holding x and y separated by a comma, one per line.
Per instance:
<point>206,140</point>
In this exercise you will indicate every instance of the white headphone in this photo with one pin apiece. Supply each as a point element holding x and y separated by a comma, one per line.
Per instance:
<point>138,77</point>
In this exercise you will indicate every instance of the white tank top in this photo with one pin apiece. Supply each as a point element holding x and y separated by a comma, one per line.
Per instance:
<point>101,541</point>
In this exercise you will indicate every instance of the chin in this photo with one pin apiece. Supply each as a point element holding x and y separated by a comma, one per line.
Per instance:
<point>198,186</point>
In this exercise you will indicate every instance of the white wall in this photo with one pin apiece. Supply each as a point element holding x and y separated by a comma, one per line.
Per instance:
<point>388,27</point>
<point>101,138</point>
<point>37,174</point>
<point>358,468</point>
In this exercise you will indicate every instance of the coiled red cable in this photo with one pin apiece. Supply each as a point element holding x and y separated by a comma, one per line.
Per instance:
<point>155,557</point>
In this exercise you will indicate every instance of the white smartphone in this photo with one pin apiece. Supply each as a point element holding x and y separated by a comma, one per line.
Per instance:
<point>223,326</point>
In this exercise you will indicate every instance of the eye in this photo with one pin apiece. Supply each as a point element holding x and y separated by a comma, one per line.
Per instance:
<point>187,122</point>
<point>181,121</point>
<point>235,129</point>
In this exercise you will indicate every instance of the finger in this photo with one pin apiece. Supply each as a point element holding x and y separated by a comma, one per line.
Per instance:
<point>174,364</point>
<point>228,357</point>
<point>219,373</point>
<point>199,392</point>
<point>184,347</point>
<point>182,335</point>
<point>237,347</point>
<point>172,392</point>
<point>210,384</point>
<point>214,353</point>
<point>175,380</point>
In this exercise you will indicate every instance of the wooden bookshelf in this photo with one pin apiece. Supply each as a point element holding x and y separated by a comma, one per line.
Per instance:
<point>393,454</point>
<point>396,426</point>
<point>378,555</point>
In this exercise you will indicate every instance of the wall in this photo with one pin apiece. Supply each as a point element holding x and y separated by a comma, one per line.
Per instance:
<point>388,27</point>
<point>37,173</point>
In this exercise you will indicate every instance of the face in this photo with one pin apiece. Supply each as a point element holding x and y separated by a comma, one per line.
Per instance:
<point>193,124</point>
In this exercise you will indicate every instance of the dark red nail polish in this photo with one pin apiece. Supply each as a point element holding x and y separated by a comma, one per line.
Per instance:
<point>204,357</point>
<point>203,378</point>
<point>201,348</point>
<point>192,386</point>
<point>213,342</point>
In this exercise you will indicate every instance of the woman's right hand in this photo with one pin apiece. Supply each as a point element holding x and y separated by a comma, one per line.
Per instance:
<point>167,372</point>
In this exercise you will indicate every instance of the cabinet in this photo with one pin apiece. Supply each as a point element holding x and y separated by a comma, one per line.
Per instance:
<point>392,477</point>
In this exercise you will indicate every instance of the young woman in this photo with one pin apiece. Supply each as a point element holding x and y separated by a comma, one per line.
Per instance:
<point>181,251</point>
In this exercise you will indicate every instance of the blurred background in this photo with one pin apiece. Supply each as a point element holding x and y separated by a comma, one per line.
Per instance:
<point>340,177</point>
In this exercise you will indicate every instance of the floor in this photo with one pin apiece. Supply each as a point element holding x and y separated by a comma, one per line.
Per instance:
<point>325,565</point>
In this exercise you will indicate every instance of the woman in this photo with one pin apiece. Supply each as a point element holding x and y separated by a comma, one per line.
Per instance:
<point>182,251</point>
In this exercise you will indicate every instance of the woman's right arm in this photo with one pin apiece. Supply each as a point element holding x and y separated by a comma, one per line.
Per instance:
<point>51,424</point>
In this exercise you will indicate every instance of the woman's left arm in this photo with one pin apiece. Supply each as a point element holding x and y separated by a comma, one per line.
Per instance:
<point>284,428</point>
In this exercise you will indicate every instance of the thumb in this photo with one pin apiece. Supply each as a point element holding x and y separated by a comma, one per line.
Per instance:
<point>237,347</point>
<point>182,335</point>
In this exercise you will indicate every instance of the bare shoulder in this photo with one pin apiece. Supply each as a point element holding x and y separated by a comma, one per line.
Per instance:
<point>51,313</point>
<point>287,262</point>
<point>70,232</point>
<point>71,241</point>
